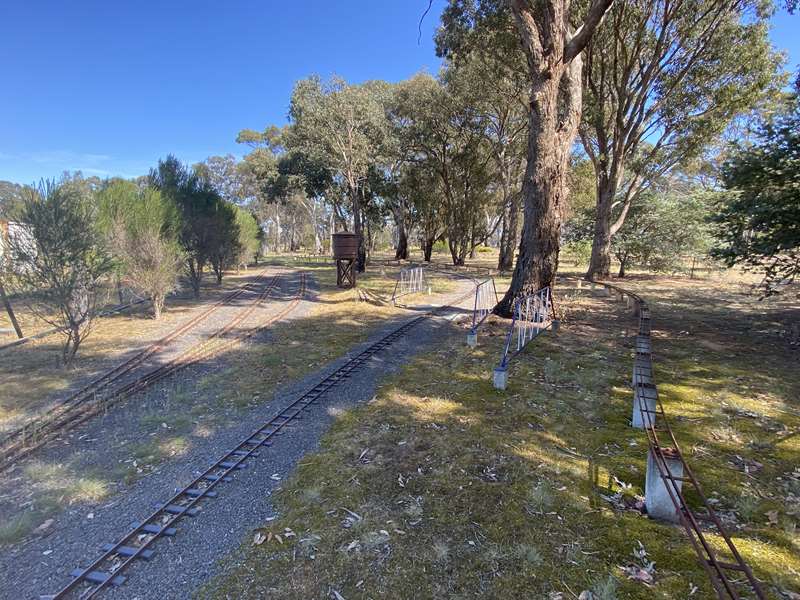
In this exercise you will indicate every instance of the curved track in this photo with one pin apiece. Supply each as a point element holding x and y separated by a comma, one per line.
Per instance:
<point>665,451</point>
<point>114,385</point>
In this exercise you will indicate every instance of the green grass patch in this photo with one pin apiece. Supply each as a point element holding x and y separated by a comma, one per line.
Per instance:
<point>444,487</point>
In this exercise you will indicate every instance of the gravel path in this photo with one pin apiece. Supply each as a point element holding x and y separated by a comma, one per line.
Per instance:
<point>185,562</point>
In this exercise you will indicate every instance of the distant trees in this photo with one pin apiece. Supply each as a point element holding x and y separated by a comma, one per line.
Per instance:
<point>142,228</point>
<point>343,128</point>
<point>63,262</point>
<point>209,232</point>
<point>11,200</point>
<point>757,219</point>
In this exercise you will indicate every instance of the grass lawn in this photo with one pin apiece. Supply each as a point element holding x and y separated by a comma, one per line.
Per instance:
<point>443,487</point>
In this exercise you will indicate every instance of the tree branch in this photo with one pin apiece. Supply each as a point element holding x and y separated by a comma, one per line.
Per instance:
<point>584,33</point>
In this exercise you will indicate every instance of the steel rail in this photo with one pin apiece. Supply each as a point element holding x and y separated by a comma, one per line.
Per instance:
<point>72,412</point>
<point>136,543</point>
<point>669,450</point>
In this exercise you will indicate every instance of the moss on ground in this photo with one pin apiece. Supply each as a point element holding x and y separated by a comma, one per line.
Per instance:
<point>443,487</point>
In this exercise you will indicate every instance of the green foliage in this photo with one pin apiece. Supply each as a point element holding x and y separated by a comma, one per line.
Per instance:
<point>142,228</point>
<point>662,229</point>
<point>249,235</point>
<point>758,216</point>
<point>208,228</point>
<point>62,258</point>
<point>441,134</point>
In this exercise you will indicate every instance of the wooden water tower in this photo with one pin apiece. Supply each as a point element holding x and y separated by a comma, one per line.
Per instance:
<point>345,253</point>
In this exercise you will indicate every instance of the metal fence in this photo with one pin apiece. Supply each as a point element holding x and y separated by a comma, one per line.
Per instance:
<point>410,281</point>
<point>485,301</point>
<point>533,314</point>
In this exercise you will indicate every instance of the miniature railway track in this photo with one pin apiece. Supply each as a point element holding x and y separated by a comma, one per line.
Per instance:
<point>137,543</point>
<point>664,448</point>
<point>100,393</point>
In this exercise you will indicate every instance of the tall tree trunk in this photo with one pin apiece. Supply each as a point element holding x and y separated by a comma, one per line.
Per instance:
<point>358,228</point>
<point>12,317</point>
<point>401,251</point>
<point>553,123</point>
<point>553,53</point>
<point>600,262</point>
<point>120,297</point>
<point>158,305</point>
<point>195,276</point>
<point>427,248</point>
<point>508,237</point>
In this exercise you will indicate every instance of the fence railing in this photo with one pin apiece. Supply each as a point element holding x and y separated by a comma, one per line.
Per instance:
<point>410,280</point>
<point>532,315</point>
<point>485,301</point>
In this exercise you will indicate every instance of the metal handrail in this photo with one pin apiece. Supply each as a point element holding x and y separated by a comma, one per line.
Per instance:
<point>481,293</point>
<point>538,304</point>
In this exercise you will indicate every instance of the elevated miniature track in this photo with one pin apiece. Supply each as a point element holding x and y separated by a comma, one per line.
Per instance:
<point>667,455</point>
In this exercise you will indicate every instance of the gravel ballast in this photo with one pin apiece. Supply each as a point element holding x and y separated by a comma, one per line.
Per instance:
<point>183,563</point>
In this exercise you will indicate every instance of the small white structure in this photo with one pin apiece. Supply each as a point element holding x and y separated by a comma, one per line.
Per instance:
<point>13,232</point>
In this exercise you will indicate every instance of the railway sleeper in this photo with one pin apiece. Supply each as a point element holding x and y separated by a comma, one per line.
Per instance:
<point>225,478</point>
<point>98,577</point>
<point>244,453</point>
<point>155,529</point>
<point>233,465</point>
<point>128,551</point>
<point>197,492</point>
<point>176,509</point>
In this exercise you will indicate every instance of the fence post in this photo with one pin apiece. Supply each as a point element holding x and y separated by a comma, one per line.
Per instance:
<point>500,379</point>
<point>657,498</point>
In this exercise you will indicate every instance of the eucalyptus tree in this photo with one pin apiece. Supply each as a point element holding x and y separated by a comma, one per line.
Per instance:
<point>61,259</point>
<point>662,80</point>
<point>343,128</point>
<point>233,180</point>
<point>419,188</point>
<point>440,131</point>
<point>490,75</point>
<point>553,34</point>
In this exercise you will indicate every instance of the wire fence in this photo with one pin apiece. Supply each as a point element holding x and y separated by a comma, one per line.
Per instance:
<point>533,314</point>
<point>485,301</point>
<point>410,280</point>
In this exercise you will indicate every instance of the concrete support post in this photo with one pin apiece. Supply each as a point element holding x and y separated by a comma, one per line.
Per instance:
<point>472,338</point>
<point>656,494</point>
<point>500,380</point>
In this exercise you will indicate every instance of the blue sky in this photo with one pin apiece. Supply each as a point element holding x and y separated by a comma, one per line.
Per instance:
<point>110,87</point>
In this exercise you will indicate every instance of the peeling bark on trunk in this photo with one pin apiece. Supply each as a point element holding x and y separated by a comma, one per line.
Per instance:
<point>553,54</point>
<point>555,112</point>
